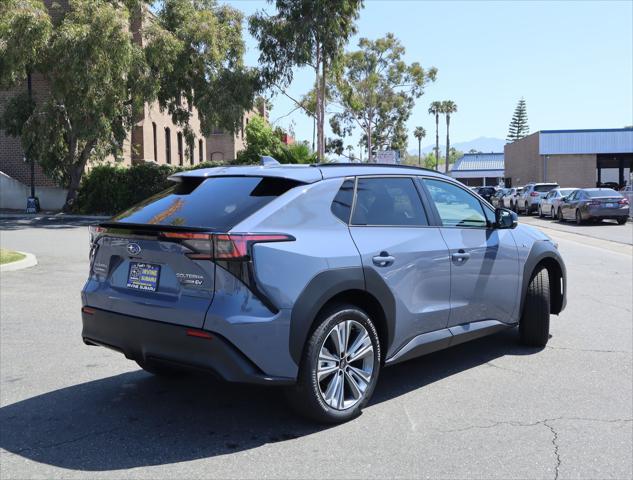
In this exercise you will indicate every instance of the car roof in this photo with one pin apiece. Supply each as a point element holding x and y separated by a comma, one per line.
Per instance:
<point>306,173</point>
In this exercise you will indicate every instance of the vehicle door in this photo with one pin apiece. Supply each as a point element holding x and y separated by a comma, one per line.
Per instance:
<point>567,205</point>
<point>400,247</point>
<point>484,260</point>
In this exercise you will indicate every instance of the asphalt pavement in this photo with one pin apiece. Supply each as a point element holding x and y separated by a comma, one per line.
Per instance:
<point>486,409</point>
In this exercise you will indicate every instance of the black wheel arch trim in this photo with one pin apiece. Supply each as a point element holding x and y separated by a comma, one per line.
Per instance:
<point>324,287</point>
<point>544,252</point>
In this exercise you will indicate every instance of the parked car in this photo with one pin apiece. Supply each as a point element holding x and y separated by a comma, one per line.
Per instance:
<point>549,205</point>
<point>531,196</point>
<point>487,192</point>
<point>509,199</point>
<point>497,199</point>
<point>313,277</point>
<point>594,204</point>
<point>627,192</point>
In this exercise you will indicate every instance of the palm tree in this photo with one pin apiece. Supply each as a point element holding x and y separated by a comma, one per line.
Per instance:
<point>419,133</point>
<point>448,107</point>
<point>435,109</point>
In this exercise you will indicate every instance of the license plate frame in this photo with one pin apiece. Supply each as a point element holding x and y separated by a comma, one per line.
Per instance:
<point>143,276</point>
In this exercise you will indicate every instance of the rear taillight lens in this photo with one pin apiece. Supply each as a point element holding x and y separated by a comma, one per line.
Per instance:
<point>534,194</point>
<point>238,246</point>
<point>623,201</point>
<point>200,244</point>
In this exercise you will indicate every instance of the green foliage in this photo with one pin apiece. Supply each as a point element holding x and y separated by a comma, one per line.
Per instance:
<point>100,78</point>
<point>519,127</point>
<point>377,90</point>
<point>261,139</point>
<point>25,30</point>
<point>107,189</point>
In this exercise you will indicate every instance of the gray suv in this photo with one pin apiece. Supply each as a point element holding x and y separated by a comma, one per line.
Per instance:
<point>313,277</point>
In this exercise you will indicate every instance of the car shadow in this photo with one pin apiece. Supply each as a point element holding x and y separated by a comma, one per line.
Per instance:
<point>134,419</point>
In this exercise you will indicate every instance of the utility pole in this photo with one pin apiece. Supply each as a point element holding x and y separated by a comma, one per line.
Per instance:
<point>32,203</point>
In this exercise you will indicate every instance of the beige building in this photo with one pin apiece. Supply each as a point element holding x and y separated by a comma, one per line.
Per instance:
<point>223,146</point>
<point>572,158</point>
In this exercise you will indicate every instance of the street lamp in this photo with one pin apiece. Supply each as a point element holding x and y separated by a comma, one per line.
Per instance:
<point>32,203</point>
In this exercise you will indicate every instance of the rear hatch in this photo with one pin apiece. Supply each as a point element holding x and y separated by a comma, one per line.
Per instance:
<point>541,191</point>
<point>157,260</point>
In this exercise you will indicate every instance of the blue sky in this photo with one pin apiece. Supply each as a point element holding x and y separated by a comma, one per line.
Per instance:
<point>571,61</point>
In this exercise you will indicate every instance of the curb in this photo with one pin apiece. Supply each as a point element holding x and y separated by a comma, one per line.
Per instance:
<point>44,216</point>
<point>29,261</point>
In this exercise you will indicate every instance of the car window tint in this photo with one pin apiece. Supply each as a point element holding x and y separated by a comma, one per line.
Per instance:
<point>342,203</point>
<point>603,192</point>
<point>456,207</point>
<point>388,201</point>
<point>217,203</point>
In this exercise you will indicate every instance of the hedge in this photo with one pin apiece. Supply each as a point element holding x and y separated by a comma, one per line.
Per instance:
<point>109,189</point>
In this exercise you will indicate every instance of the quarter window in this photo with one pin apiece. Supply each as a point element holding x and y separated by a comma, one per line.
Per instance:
<point>388,201</point>
<point>455,206</point>
<point>342,203</point>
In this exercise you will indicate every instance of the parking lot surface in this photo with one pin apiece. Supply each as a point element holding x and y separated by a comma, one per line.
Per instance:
<point>487,409</point>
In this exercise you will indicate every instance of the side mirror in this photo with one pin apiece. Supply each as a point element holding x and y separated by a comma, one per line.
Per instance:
<point>506,218</point>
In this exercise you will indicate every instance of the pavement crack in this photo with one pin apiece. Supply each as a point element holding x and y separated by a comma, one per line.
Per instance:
<point>556,449</point>
<point>539,422</point>
<point>491,364</point>
<point>587,350</point>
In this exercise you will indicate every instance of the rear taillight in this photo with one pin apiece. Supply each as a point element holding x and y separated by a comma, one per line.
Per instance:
<point>623,201</point>
<point>223,246</point>
<point>238,246</point>
<point>534,194</point>
<point>94,231</point>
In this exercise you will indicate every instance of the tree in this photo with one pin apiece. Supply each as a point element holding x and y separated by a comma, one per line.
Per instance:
<point>305,33</point>
<point>519,124</point>
<point>100,78</point>
<point>435,109</point>
<point>419,133</point>
<point>376,90</point>
<point>448,108</point>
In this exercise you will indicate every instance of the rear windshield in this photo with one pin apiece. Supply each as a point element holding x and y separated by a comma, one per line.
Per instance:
<point>544,188</point>
<point>216,203</point>
<point>605,192</point>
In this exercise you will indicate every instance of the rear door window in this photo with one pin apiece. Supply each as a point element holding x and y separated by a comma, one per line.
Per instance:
<point>216,203</point>
<point>388,201</point>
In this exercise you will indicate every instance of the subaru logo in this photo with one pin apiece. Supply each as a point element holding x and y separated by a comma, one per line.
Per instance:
<point>133,248</point>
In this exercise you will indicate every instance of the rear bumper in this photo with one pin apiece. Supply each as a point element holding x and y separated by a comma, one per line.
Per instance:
<point>142,339</point>
<point>607,212</point>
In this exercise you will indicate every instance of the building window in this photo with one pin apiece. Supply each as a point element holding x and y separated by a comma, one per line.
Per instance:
<point>200,151</point>
<point>192,152</point>
<point>167,145</point>
<point>155,142</point>
<point>180,149</point>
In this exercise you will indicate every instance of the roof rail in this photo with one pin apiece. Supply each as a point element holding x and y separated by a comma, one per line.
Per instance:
<point>350,164</point>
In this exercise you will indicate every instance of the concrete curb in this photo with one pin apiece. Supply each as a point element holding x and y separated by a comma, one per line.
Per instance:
<point>53,216</point>
<point>29,261</point>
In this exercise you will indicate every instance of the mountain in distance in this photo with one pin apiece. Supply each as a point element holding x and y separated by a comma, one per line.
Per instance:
<point>481,144</point>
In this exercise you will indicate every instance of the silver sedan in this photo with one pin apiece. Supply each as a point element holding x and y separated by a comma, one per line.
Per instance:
<point>549,206</point>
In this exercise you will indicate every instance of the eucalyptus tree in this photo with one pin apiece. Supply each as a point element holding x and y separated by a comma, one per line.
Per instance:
<point>100,77</point>
<point>376,91</point>
<point>304,33</point>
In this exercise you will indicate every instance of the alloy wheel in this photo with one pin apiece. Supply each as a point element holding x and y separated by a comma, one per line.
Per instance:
<point>346,365</point>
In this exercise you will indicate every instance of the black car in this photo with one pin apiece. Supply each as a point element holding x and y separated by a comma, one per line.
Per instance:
<point>487,192</point>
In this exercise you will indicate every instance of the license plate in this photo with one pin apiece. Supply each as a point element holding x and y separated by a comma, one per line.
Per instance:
<point>143,276</point>
<point>609,205</point>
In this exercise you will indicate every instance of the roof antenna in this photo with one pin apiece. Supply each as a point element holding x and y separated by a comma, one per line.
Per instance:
<point>267,161</point>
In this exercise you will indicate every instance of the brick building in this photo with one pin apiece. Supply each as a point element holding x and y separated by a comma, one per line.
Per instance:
<point>572,158</point>
<point>154,138</point>
<point>223,146</point>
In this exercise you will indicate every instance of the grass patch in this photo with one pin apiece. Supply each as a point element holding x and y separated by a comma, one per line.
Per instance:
<point>8,256</point>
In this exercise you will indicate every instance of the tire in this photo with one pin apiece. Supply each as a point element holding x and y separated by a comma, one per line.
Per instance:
<point>318,399</point>
<point>534,324</point>
<point>540,212</point>
<point>552,214</point>
<point>513,207</point>
<point>579,219</point>
<point>622,220</point>
<point>559,216</point>
<point>161,369</point>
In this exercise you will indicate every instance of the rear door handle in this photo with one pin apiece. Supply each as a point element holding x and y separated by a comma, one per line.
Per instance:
<point>461,256</point>
<point>383,260</point>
